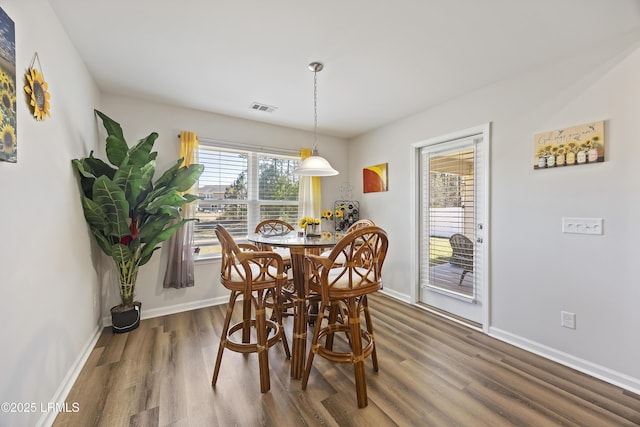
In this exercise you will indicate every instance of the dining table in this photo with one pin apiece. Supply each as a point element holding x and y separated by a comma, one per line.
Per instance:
<point>299,245</point>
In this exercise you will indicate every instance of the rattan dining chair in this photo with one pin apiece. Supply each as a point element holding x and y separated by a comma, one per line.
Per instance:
<point>343,291</point>
<point>256,276</point>
<point>277,227</point>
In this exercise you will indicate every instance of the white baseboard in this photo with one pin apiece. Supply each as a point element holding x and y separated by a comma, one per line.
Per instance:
<point>605,374</point>
<point>172,309</point>
<point>64,388</point>
<point>396,295</point>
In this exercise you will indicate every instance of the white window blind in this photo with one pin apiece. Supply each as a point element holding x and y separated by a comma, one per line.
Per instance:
<point>240,188</point>
<point>451,218</point>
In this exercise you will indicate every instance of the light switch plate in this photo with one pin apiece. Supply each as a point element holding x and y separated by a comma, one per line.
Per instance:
<point>582,225</point>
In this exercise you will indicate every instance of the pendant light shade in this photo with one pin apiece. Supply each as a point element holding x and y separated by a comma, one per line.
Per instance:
<point>315,165</point>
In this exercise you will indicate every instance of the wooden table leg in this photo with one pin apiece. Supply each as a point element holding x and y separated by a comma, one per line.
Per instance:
<point>299,341</point>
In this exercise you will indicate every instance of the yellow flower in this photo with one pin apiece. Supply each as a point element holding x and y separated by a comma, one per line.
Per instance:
<point>326,235</point>
<point>339,213</point>
<point>38,89</point>
<point>8,137</point>
<point>542,151</point>
<point>8,101</point>
<point>5,81</point>
<point>327,214</point>
<point>308,220</point>
<point>596,141</point>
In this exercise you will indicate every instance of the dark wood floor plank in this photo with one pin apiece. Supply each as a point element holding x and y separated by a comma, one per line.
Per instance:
<point>433,372</point>
<point>544,396</point>
<point>581,385</point>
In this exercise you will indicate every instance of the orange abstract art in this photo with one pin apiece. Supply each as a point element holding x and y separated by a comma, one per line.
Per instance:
<point>374,178</point>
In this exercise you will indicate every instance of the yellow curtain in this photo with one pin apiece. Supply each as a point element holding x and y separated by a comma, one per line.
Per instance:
<point>310,193</point>
<point>188,147</point>
<point>179,272</point>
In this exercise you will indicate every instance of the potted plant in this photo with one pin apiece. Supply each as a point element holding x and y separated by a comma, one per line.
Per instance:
<point>128,214</point>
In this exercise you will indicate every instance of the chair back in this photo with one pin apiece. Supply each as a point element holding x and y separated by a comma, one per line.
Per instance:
<point>244,266</point>
<point>272,227</point>
<point>360,224</point>
<point>462,251</point>
<point>363,251</point>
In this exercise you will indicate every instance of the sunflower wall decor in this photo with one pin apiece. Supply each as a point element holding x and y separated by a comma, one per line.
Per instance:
<point>573,146</point>
<point>8,148</point>
<point>38,90</point>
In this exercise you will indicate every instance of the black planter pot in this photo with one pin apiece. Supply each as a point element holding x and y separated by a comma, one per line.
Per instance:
<point>125,321</point>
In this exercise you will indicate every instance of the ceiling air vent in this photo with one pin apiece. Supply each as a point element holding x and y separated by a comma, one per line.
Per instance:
<point>262,107</point>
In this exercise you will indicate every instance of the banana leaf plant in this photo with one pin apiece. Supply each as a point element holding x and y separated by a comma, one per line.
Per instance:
<point>128,213</point>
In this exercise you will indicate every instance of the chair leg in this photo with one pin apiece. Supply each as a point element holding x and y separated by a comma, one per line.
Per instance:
<point>314,347</point>
<point>464,273</point>
<point>274,297</point>
<point>333,316</point>
<point>263,350</point>
<point>356,348</point>
<point>223,336</point>
<point>277,309</point>
<point>246,318</point>
<point>367,317</point>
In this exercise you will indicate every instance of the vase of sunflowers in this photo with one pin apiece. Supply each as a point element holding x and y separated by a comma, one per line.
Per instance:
<point>311,226</point>
<point>572,149</point>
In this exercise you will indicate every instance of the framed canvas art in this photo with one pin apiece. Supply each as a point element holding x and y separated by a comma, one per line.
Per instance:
<point>573,146</point>
<point>9,150</point>
<point>375,178</point>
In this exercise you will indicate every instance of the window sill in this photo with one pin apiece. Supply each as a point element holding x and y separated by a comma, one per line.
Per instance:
<point>207,259</point>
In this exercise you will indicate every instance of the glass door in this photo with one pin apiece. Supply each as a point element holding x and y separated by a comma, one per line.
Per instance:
<point>452,201</point>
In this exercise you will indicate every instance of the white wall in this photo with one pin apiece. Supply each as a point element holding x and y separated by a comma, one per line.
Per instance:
<point>535,270</point>
<point>138,119</point>
<point>48,281</point>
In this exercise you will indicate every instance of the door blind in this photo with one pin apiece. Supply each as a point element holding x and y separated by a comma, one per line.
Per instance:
<point>450,222</point>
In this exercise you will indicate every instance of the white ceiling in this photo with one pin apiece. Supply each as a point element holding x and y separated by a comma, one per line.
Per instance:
<point>383,59</point>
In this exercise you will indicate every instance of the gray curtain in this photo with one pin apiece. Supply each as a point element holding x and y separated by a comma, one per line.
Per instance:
<point>180,260</point>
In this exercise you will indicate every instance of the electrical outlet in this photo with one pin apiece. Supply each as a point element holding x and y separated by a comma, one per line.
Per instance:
<point>567,319</point>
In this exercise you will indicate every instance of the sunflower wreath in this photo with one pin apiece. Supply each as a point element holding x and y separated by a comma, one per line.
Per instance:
<point>38,90</point>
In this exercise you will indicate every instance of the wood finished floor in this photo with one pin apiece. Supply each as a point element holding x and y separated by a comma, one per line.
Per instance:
<point>432,373</point>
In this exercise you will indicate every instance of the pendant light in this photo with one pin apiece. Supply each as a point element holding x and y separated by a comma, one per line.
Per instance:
<point>315,165</point>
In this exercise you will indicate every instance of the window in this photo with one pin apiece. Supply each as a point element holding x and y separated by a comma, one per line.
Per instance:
<point>240,188</point>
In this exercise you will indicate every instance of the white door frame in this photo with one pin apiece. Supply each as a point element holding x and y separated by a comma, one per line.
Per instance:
<point>485,131</point>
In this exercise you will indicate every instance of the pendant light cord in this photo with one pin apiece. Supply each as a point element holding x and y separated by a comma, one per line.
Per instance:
<point>315,113</point>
